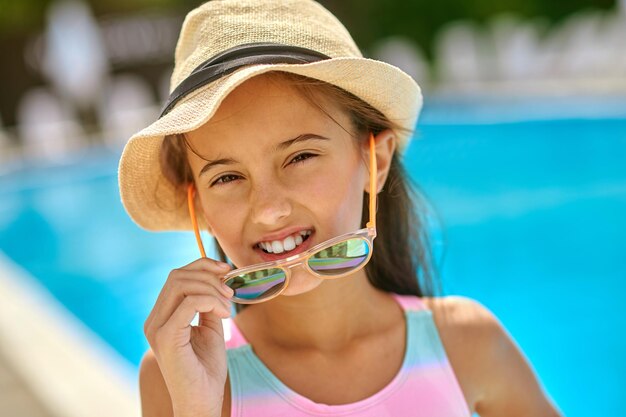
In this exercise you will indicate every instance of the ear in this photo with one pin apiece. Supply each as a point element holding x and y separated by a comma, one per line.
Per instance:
<point>385,148</point>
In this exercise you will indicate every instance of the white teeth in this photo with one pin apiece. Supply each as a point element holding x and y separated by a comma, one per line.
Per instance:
<point>277,246</point>
<point>287,244</point>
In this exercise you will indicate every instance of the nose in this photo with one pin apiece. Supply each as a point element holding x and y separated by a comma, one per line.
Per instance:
<point>269,204</point>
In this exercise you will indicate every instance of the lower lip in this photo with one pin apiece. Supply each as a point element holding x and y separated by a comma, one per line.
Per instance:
<point>267,257</point>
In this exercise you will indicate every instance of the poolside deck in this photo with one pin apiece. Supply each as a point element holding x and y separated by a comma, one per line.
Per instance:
<point>16,397</point>
<point>55,367</point>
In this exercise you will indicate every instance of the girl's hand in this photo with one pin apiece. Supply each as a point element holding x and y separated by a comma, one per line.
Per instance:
<point>192,359</point>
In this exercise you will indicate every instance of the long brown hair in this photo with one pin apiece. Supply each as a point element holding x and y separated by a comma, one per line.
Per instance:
<point>402,261</point>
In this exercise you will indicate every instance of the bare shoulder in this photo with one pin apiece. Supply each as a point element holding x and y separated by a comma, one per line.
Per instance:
<point>459,311</point>
<point>155,398</point>
<point>462,320</point>
<point>459,321</point>
<point>494,374</point>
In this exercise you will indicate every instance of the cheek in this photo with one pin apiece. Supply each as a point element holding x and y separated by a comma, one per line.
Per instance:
<point>337,199</point>
<point>226,221</point>
<point>221,215</point>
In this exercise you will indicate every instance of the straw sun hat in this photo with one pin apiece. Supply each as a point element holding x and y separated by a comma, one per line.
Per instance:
<point>225,42</point>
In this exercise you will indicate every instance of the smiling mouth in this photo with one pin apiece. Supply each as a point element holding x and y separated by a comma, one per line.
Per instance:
<point>287,244</point>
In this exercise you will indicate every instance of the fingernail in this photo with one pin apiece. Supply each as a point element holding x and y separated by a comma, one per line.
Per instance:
<point>223,265</point>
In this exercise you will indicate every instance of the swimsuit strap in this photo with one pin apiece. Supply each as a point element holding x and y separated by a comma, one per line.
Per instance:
<point>410,302</point>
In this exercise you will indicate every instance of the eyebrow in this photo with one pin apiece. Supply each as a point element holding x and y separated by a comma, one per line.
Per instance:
<point>279,147</point>
<point>306,136</point>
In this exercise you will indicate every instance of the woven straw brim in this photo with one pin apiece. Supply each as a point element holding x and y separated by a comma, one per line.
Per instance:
<point>155,204</point>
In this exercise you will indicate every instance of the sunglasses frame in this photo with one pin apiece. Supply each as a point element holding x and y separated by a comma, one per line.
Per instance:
<point>366,234</point>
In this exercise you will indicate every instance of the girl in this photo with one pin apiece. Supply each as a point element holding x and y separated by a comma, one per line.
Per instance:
<point>281,141</point>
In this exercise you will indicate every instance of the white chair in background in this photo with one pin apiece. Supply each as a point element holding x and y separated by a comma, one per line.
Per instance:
<point>610,46</point>
<point>516,45</point>
<point>404,54</point>
<point>461,59</point>
<point>75,59</point>
<point>46,126</point>
<point>581,55</point>
<point>583,50</point>
<point>127,106</point>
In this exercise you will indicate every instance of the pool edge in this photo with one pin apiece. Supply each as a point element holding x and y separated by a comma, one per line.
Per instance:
<point>66,365</point>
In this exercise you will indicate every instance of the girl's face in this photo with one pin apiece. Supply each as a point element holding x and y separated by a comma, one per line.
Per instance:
<point>275,173</point>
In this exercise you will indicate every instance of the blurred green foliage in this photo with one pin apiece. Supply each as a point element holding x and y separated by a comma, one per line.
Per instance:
<point>419,20</point>
<point>23,16</point>
<point>367,20</point>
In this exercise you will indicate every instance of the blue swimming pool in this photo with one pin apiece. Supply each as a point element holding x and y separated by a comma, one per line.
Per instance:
<point>532,209</point>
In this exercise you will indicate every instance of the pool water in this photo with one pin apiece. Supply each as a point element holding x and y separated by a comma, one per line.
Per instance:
<point>532,223</point>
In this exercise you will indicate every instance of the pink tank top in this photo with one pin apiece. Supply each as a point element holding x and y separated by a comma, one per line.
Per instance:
<point>424,386</point>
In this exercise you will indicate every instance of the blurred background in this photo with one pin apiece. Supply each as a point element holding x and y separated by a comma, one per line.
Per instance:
<point>520,151</point>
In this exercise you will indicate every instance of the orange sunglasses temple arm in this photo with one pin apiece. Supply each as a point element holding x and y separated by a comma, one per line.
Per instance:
<point>191,191</point>
<point>373,184</point>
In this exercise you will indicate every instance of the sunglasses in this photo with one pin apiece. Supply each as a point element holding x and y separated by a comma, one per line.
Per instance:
<point>334,258</point>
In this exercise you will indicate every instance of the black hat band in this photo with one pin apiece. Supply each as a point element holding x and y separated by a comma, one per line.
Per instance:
<point>232,59</point>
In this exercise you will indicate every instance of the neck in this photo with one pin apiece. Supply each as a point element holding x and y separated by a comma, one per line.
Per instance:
<point>327,318</point>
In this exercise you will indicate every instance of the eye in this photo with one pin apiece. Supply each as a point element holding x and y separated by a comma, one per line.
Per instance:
<point>225,179</point>
<point>302,157</point>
